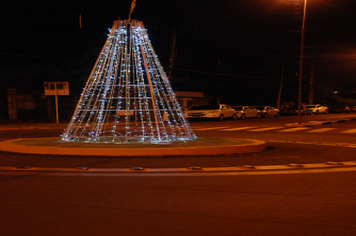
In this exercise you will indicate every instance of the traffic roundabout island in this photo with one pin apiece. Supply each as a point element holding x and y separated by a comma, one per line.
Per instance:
<point>199,147</point>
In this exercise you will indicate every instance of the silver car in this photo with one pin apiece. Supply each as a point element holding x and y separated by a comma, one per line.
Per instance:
<point>244,112</point>
<point>219,111</point>
<point>268,111</point>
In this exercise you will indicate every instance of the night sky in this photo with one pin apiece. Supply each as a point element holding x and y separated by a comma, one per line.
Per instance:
<point>233,49</point>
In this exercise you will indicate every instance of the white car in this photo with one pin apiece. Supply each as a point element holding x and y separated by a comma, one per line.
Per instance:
<point>220,112</point>
<point>317,108</point>
<point>267,111</point>
<point>244,112</point>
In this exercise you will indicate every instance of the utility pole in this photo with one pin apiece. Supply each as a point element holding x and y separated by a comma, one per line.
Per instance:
<point>311,86</point>
<point>173,54</point>
<point>301,58</point>
<point>280,90</point>
<point>80,21</point>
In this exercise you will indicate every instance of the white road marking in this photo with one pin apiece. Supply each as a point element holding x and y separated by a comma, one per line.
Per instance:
<point>326,167</point>
<point>292,129</point>
<point>238,128</point>
<point>321,130</point>
<point>260,170</point>
<point>350,131</point>
<point>211,128</point>
<point>265,129</point>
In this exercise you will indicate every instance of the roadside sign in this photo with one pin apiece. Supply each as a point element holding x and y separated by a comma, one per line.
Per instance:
<point>56,89</point>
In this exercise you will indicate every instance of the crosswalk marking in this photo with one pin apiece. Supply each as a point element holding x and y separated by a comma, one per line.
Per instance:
<point>211,128</point>
<point>350,131</point>
<point>264,129</point>
<point>278,129</point>
<point>292,129</point>
<point>320,130</point>
<point>238,128</point>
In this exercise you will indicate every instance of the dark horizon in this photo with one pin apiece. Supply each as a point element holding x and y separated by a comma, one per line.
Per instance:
<point>234,49</point>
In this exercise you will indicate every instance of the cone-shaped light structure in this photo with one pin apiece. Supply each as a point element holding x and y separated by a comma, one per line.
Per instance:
<point>128,98</point>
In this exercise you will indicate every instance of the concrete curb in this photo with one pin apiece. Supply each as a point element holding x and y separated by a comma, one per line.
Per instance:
<point>250,147</point>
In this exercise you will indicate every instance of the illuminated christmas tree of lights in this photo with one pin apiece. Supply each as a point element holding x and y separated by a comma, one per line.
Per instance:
<point>128,98</point>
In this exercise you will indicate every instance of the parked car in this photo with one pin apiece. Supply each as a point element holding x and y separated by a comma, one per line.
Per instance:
<point>267,111</point>
<point>220,111</point>
<point>317,108</point>
<point>353,108</point>
<point>340,109</point>
<point>244,112</point>
<point>293,110</point>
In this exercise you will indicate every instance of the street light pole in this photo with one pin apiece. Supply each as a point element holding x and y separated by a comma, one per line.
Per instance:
<point>301,59</point>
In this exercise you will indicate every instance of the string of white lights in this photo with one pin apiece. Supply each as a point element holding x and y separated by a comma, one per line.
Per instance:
<point>128,97</point>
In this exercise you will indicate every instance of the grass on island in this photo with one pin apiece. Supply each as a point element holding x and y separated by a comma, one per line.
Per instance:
<point>56,142</point>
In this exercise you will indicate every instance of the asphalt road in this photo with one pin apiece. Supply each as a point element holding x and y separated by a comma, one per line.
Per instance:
<point>294,201</point>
